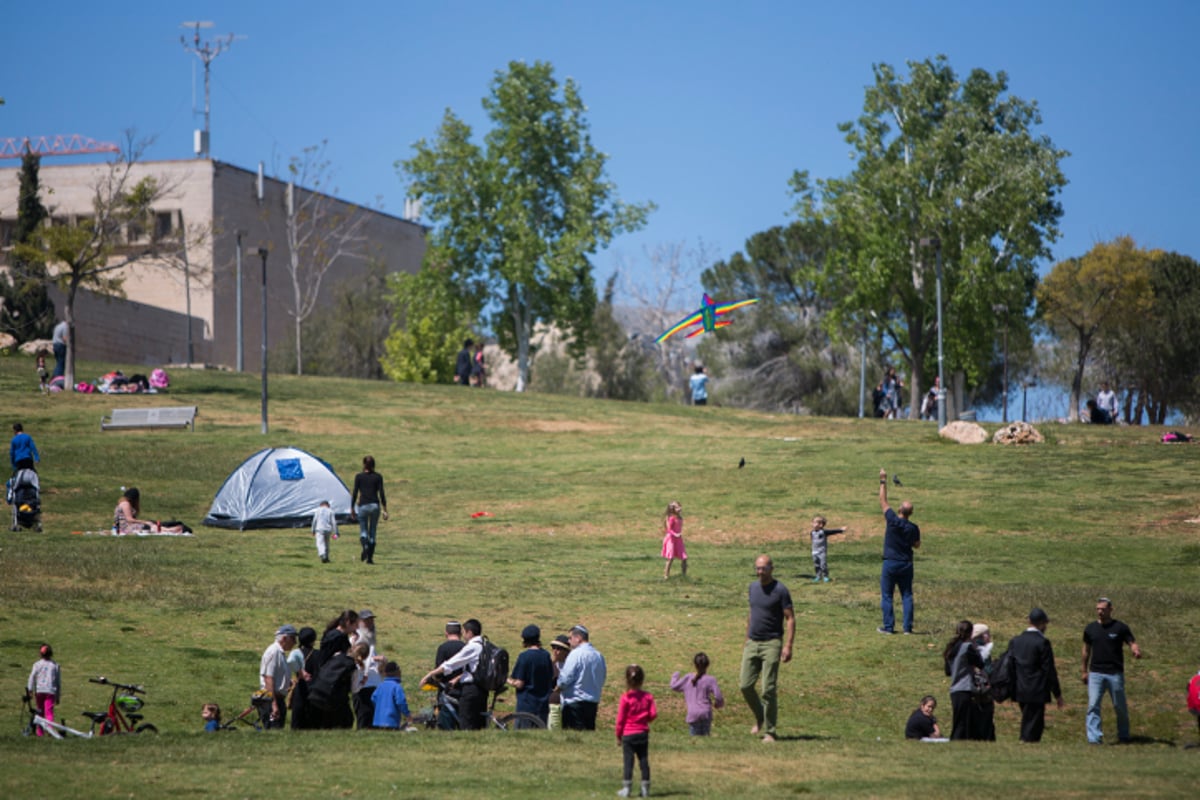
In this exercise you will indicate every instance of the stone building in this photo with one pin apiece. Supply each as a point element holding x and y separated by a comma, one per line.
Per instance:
<point>199,289</point>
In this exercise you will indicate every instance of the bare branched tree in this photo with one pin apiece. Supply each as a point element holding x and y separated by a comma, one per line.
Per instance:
<point>320,231</point>
<point>88,251</point>
<point>673,289</point>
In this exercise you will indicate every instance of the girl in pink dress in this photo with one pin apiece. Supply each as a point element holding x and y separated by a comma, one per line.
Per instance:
<point>672,547</point>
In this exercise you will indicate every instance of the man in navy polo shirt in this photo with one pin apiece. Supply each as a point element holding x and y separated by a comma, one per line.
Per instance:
<point>899,540</point>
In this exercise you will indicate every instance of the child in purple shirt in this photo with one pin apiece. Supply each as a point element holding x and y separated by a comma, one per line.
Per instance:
<point>702,695</point>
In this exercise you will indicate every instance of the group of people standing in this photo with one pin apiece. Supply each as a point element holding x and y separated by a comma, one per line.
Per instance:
<point>1033,677</point>
<point>339,682</point>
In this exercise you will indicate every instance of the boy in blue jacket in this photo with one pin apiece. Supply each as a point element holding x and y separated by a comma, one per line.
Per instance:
<point>391,705</point>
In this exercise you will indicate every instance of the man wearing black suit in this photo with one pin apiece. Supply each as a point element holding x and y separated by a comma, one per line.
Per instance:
<point>1036,677</point>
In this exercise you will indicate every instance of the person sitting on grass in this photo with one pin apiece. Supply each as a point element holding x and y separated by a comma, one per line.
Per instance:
<point>125,517</point>
<point>922,724</point>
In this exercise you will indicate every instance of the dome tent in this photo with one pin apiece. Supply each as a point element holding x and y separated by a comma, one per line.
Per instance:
<point>279,487</point>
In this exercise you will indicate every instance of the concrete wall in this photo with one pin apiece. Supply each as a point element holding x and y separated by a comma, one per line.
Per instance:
<point>215,201</point>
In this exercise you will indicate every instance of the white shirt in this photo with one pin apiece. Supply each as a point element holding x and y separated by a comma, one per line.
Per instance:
<point>274,664</point>
<point>324,520</point>
<point>466,660</point>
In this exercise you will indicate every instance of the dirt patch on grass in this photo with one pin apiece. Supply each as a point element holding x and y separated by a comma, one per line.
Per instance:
<point>565,426</point>
<point>308,424</point>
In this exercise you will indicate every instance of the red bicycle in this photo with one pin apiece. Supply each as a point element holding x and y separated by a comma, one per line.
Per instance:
<point>122,716</point>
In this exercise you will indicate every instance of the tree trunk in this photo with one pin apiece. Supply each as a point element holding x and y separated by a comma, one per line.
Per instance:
<point>69,316</point>
<point>1077,379</point>
<point>299,357</point>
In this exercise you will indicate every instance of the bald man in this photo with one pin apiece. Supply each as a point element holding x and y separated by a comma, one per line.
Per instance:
<point>899,540</point>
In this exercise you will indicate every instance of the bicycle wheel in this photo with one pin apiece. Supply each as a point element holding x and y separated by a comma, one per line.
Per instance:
<point>147,728</point>
<point>519,720</point>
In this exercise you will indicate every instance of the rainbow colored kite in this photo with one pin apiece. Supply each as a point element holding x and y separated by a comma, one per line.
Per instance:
<point>706,316</point>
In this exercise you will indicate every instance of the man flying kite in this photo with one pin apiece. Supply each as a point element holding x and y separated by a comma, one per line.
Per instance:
<point>707,316</point>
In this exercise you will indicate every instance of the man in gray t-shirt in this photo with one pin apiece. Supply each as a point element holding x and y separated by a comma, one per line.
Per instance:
<point>770,629</point>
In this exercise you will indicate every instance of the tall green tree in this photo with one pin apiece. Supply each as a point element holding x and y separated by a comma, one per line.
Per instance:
<point>1156,353</point>
<point>517,220</point>
<point>26,310</point>
<point>88,251</point>
<point>939,158</point>
<point>1083,300</point>
<point>429,325</point>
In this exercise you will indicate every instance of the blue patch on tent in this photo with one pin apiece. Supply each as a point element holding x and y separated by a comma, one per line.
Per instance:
<point>289,469</point>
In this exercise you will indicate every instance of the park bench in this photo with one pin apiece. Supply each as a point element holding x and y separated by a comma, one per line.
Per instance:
<point>162,417</point>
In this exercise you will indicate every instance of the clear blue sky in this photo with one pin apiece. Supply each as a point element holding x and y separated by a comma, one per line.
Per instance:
<point>704,107</point>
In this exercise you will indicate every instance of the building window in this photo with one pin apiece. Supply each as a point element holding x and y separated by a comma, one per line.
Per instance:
<point>164,224</point>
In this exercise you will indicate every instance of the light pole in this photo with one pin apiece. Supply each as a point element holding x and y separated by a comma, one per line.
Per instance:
<point>1002,309</point>
<point>941,392</point>
<point>241,365</point>
<point>262,252</point>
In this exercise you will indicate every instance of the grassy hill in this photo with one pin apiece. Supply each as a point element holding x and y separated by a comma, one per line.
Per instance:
<point>576,491</point>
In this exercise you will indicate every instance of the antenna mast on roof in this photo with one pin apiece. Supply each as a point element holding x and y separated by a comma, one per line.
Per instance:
<point>206,53</point>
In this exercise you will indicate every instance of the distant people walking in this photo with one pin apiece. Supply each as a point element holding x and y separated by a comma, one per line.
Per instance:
<point>701,695</point>
<point>900,538</point>
<point>699,386</point>
<point>820,547</point>
<point>58,342</point>
<point>45,684</point>
<point>22,452</point>
<point>1104,669</point>
<point>635,712</point>
<point>771,618</point>
<point>1036,677</point>
<point>367,502</point>
<point>672,545</point>
<point>324,527</point>
<point>462,365</point>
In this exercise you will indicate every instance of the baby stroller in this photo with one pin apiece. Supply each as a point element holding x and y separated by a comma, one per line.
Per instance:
<point>23,493</point>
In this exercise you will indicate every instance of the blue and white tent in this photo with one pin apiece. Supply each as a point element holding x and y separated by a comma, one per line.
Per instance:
<point>279,487</point>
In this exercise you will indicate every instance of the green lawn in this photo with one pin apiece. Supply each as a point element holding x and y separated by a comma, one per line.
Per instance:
<point>576,490</point>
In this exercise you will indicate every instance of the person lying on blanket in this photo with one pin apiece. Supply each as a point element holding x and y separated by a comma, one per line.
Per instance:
<point>125,517</point>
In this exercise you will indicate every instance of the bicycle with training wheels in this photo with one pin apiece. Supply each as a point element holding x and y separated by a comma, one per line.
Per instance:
<point>502,721</point>
<point>122,715</point>
<point>34,721</point>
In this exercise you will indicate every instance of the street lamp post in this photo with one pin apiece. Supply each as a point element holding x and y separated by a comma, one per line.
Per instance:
<point>1002,309</point>
<point>941,392</point>
<point>262,252</point>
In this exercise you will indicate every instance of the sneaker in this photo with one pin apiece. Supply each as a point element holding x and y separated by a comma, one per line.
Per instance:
<point>884,630</point>
<point>816,579</point>
<point>825,579</point>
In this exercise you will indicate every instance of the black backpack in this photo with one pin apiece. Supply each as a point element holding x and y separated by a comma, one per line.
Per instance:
<point>1001,678</point>
<point>492,671</point>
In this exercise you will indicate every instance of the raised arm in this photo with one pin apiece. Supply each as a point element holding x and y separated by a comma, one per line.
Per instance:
<point>883,503</point>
